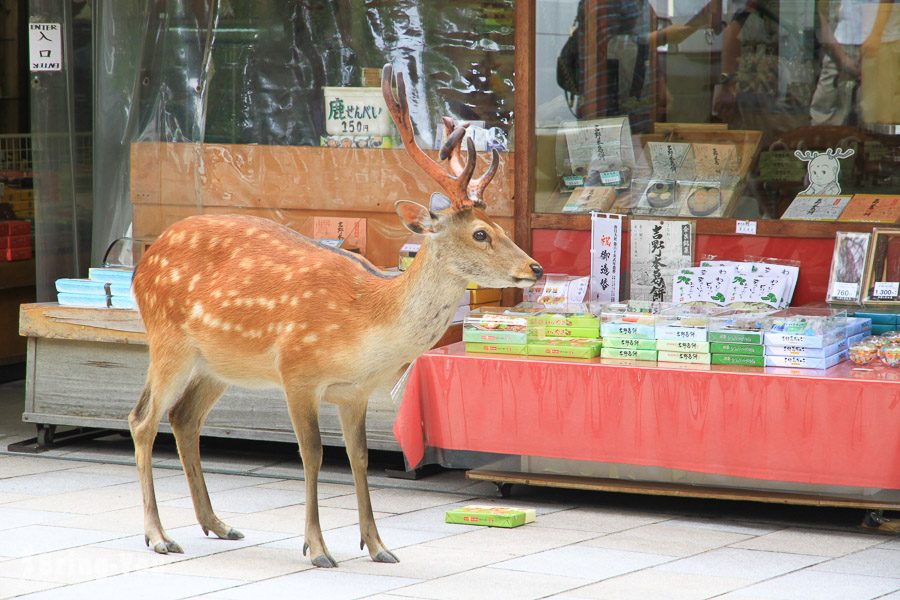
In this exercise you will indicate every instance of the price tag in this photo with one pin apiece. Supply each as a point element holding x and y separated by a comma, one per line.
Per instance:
<point>745,227</point>
<point>886,290</point>
<point>845,291</point>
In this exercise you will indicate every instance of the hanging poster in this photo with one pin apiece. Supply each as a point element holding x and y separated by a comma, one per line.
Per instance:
<point>659,249</point>
<point>606,257</point>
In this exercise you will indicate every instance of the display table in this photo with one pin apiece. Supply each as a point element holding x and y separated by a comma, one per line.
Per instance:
<point>86,367</point>
<point>840,427</point>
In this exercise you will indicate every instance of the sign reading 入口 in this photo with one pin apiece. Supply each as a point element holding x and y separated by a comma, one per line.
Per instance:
<point>45,46</point>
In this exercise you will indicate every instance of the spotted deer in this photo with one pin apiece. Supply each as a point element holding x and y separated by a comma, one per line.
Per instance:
<point>245,301</point>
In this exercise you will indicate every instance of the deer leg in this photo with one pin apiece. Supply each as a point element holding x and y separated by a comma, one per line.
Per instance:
<point>165,378</point>
<point>353,424</point>
<point>303,408</point>
<point>186,418</point>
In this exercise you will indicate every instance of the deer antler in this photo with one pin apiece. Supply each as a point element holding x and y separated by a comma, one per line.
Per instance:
<point>806,155</point>
<point>456,187</point>
<point>838,153</point>
<point>451,149</point>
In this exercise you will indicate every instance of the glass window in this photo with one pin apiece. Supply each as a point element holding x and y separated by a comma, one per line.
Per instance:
<point>696,108</point>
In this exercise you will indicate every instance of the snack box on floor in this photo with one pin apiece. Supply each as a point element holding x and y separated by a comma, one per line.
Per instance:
<point>491,516</point>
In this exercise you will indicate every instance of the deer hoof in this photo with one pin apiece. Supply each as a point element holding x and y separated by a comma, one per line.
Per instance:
<point>233,534</point>
<point>165,547</point>
<point>386,556</point>
<point>324,561</point>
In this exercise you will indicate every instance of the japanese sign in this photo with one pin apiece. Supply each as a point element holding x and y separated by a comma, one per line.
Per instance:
<point>703,284</point>
<point>816,208</point>
<point>598,143</point>
<point>606,257</point>
<point>659,249</point>
<point>45,46</point>
<point>872,208</point>
<point>357,111</point>
<point>666,157</point>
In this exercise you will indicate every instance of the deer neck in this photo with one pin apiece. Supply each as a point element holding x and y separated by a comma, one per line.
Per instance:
<point>426,296</point>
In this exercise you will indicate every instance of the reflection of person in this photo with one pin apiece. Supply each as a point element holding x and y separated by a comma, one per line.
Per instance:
<point>765,84</point>
<point>832,102</point>
<point>880,90</point>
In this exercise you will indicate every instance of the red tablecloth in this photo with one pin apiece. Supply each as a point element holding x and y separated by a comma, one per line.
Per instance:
<point>840,427</point>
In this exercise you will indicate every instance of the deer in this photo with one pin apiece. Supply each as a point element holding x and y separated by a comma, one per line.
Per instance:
<point>240,300</point>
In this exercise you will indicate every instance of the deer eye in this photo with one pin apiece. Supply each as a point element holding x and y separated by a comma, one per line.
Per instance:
<point>480,235</point>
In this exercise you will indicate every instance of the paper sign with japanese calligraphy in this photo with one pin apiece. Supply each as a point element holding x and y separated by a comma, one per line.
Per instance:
<point>606,257</point>
<point>666,158</point>
<point>703,284</point>
<point>872,208</point>
<point>598,143</point>
<point>756,288</point>
<point>659,249</point>
<point>45,46</point>
<point>710,162</point>
<point>816,208</point>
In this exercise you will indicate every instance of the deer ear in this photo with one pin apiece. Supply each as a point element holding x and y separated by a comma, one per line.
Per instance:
<point>416,217</point>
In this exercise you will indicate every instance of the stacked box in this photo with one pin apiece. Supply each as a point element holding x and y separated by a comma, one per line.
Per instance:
<point>628,331</point>
<point>806,338</point>
<point>682,337</point>
<point>882,322</point>
<point>104,288</point>
<point>570,331</point>
<point>497,330</point>
<point>736,338</point>
<point>15,240</point>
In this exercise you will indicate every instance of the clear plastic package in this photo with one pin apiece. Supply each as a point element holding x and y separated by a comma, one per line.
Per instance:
<point>806,327</point>
<point>631,320</point>
<point>498,325</point>
<point>570,321</point>
<point>737,327</point>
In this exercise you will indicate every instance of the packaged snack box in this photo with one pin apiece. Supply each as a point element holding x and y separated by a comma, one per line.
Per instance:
<point>699,358</point>
<point>733,348</point>
<point>516,349</point>
<point>497,324</point>
<point>631,343</point>
<point>628,354</point>
<point>564,347</point>
<point>491,516</point>
<point>682,346</point>
<point>738,359</point>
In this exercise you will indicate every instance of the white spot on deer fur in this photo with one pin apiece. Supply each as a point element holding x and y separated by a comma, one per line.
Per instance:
<point>246,263</point>
<point>194,239</point>
<point>178,237</point>
<point>226,303</point>
<point>233,293</point>
<point>323,291</point>
<point>238,327</point>
<point>332,327</point>
<point>295,301</point>
<point>289,275</point>
<point>197,311</point>
<point>217,293</point>
<point>194,281</point>
<point>289,328</point>
<point>332,306</point>
<point>165,262</point>
<point>250,231</point>
<point>226,326</point>
<point>307,294</point>
<point>175,275</point>
<point>303,270</point>
<point>311,338</point>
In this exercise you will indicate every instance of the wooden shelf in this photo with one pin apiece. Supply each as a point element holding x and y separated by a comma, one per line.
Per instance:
<point>709,226</point>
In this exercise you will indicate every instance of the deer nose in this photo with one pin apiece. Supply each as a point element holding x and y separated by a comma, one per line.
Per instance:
<point>538,270</point>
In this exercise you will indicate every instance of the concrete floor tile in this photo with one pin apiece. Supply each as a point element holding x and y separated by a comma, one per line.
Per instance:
<point>502,584</point>
<point>751,529</point>
<point>873,562</point>
<point>292,519</point>
<point>57,482</point>
<point>395,500</point>
<point>592,564</point>
<point>597,519</point>
<point>332,584</point>
<point>10,587</point>
<point>242,500</point>
<point>754,565</point>
<point>247,564</point>
<point>816,585</point>
<point>7,497</point>
<point>195,543</point>
<point>215,482</point>
<point>123,470</point>
<point>146,585</point>
<point>11,518</point>
<point>654,583</point>
<point>298,486</point>
<point>663,538</point>
<point>76,565</point>
<point>889,545</point>
<point>130,521</point>
<point>518,541</point>
<point>16,465</point>
<point>90,501</point>
<point>424,562</point>
<point>37,539</point>
<point>811,541</point>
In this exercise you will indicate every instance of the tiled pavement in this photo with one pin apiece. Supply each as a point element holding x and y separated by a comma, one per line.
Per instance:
<point>72,529</point>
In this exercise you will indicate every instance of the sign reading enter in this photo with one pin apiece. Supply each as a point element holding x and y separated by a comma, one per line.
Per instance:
<point>45,46</point>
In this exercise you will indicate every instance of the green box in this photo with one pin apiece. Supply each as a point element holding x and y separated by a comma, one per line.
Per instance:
<point>695,358</point>
<point>517,349</point>
<point>630,343</point>
<point>879,329</point>
<point>728,348</point>
<point>682,346</point>
<point>739,359</point>
<point>564,347</point>
<point>567,332</point>
<point>495,337</point>
<point>550,319</point>
<point>490,516</point>
<point>736,336</point>
<point>628,353</point>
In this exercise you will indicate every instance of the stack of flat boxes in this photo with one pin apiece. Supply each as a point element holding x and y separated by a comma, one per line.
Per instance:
<point>628,335</point>
<point>788,345</point>
<point>15,240</point>
<point>682,338</point>
<point>882,322</point>
<point>497,330</point>
<point>737,339</point>
<point>570,333</point>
